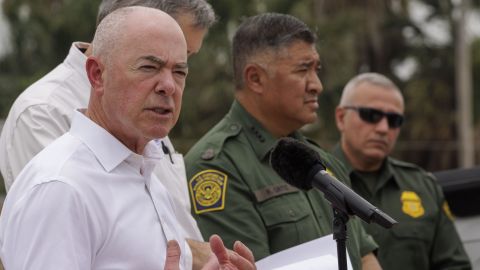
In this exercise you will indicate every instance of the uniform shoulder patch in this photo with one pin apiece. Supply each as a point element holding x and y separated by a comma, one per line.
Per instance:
<point>448,212</point>
<point>207,190</point>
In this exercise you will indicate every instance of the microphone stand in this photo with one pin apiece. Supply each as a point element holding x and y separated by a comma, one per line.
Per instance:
<point>340,220</point>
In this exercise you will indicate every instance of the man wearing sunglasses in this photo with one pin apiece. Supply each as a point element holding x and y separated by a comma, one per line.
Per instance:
<point>369,118</point>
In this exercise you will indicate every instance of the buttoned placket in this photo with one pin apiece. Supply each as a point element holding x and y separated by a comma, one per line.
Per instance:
<point>161,203</point>
<point>159,197</point>
<point>158,201</point>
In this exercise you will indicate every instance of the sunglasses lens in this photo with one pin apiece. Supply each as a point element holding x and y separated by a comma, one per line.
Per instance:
<point>370,115</point>
<point>374,116</point>
<point>394,120</point>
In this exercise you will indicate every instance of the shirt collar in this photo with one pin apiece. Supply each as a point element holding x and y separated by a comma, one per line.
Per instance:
<point>340,155</point>
<point>109,151</point>
<point>76,60</point>
<point>387,172</point>
<point>262,140</point>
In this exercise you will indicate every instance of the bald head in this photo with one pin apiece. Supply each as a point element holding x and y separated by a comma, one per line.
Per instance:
<point>194,16</point>
<point>349,91</point>
<point>137,72</point>
<point>133,24</point>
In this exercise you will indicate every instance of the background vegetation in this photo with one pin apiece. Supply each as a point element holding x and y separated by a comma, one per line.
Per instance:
<point>354,36</point>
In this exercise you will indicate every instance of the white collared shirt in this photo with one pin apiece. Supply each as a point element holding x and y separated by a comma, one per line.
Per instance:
<point>174,179</point>
<point>44,112</point>
<point>88,202</point>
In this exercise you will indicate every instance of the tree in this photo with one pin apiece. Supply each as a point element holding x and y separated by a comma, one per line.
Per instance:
<point>353,36</point>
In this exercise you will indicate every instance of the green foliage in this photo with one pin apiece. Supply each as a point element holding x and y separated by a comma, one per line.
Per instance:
<point>353,36</point>
<point>42,31</point>
<point>41,34</point>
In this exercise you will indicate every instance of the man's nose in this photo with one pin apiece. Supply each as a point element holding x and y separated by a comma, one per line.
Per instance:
<point>166,84</point>
<point>314,83</point>
<point>382,125</point>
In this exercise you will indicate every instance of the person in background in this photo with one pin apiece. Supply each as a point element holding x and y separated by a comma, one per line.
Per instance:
<point>44,111</point>
<point>369,118</point>
<point>98,206</point>
<point>235,193</point>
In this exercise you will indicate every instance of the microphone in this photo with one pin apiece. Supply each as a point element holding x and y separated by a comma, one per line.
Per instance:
<point>301,166</point>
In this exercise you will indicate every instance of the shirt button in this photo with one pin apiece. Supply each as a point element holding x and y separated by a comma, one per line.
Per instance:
<point>291,213</point>
<point>208,154</point>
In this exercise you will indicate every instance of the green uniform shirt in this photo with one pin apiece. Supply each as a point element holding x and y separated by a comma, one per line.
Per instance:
<point>237,195</point>
<point>425,237</point>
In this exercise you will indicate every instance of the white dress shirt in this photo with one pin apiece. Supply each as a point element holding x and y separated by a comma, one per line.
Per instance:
<point>87,202</point>
<point>44,111</point>
<point>173,167</point>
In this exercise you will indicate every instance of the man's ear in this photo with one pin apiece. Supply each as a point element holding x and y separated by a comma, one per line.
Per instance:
<point>95,69</point>
<point>254,76</point>
<point>340,118</point>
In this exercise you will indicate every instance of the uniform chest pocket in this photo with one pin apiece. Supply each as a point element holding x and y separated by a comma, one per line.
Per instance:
<point>408,243</point>
<point>421,231</point>
<point>288,220</point>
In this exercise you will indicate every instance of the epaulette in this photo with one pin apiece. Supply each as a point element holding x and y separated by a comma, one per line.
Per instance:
<point>408,165</point>
<point>217,139</point>
<point>404,164</point>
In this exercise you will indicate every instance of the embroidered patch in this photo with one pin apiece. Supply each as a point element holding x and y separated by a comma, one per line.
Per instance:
<point>207,189</point>
<point>412,204</point>
<point>446,209</point>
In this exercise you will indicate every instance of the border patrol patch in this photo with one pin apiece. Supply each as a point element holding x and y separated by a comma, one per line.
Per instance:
<point>207,189</point>
<point>448,212</point>
<point>412,204</point>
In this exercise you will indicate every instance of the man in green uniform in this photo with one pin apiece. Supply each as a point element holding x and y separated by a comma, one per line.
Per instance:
<point>235,193</point>
<point>369,118</point>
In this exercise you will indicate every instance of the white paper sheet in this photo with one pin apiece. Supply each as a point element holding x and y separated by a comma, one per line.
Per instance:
<point>320,253</point>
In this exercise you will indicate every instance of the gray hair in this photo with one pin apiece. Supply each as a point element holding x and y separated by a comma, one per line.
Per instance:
<point>268,32</point>
<point>201,11</point>
<point>372,78</point>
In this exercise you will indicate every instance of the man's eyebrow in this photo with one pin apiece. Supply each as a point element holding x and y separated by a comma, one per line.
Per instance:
<point>161,62</point>
<point>308,63</point>
<point>182,65</point>
<point>154,59</point>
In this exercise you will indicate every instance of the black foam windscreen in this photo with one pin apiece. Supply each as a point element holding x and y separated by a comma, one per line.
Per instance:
<point>293,161</point>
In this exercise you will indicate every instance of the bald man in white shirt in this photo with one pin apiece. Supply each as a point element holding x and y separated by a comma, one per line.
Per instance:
<point>89,200</point>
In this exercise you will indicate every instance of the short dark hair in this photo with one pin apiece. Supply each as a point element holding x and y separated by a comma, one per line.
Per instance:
<point>268,31</point>
<point>203,13</point>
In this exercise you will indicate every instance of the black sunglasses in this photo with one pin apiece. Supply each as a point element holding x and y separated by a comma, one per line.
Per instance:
<point>373,116</point>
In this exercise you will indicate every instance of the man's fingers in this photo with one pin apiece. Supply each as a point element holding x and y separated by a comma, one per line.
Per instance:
<point>241,258</point>
<point>216,244</point>
<point>173,256</point>
<point>244,251</point>
<point>241,263</point>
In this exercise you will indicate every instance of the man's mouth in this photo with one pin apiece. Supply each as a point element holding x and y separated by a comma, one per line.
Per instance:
<point>160,110</point>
